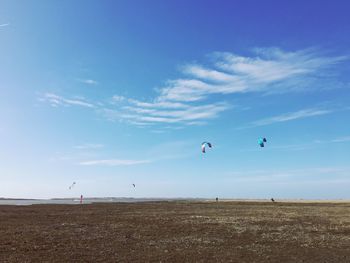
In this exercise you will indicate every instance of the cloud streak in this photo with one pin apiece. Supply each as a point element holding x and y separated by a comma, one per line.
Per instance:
<point>269,70</point>
<point>336,140</point>
<point>88,81</point>
<point>198,94</point>
<point>3,25</point>
<point>342,139</point>
<point>188,115</point>
<point>88,146</point>
<point>301,114</point>
<point>56,100</point>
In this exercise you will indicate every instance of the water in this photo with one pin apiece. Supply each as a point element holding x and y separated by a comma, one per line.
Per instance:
<point>76,201</point>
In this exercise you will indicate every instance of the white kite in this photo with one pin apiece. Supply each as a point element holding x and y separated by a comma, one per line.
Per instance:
<point>70,187</point>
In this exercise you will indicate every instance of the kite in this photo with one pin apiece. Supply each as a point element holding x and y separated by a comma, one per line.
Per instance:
<point>203,146</point>
<point>262,141</point>
<point>70,187</point>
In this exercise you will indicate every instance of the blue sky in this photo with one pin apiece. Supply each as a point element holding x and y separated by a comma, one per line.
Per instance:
<point>111,93</point>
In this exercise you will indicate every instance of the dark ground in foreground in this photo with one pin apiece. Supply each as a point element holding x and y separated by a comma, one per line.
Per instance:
<point>176,232</point>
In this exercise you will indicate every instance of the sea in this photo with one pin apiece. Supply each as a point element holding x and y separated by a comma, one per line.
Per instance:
<point>76,201</point>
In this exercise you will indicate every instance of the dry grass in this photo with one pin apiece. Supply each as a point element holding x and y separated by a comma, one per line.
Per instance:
<point>176,232</point>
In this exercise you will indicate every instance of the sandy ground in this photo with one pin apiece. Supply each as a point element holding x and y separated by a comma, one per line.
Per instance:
<point>176,232</point>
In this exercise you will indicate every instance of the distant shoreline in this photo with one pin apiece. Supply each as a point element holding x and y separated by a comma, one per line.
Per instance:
<point>91,200</point>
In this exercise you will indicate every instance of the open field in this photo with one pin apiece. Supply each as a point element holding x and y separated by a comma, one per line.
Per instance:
<point>177,231</point>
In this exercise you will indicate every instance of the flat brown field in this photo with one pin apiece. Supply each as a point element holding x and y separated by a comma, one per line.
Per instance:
<point>176,232</point>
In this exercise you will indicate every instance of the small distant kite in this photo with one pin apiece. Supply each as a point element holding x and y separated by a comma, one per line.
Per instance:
<point>70,187</point>
<point>262,141</point>
<point>134,185</point>
<point>203,146</point>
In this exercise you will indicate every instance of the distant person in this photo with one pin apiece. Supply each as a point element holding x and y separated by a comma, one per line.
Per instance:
<point>273,200</point>
<point>217,199</point>
<point>81,199</point>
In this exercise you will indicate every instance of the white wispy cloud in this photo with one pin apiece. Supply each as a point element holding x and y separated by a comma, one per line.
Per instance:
<point>342,139</point>
<point>88,81</point>
<point>3,25</point>
<point>230,73</point>
<point>335,140</point>
<point>158,104</point>
<point>197,95</point>
<point>117,99</point>
<point>301,114</point>
<point>114,162</point>
<point>201,72</point>
<point>88,146</point>
<point>56,100</point>
<point>185,114</point>
<point>182,100</point>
